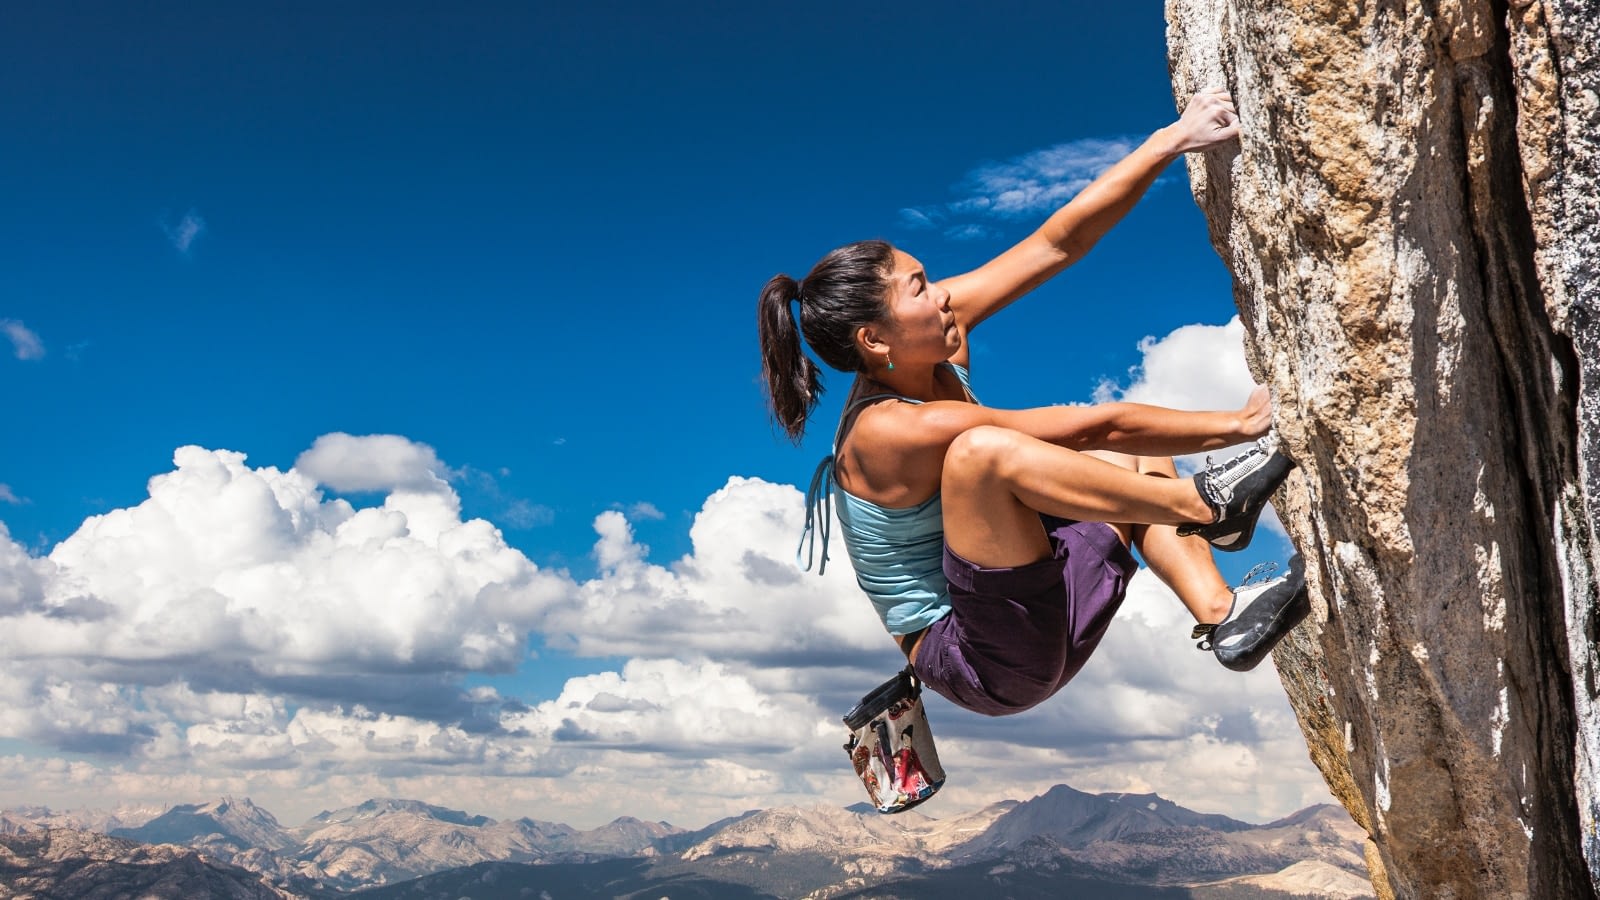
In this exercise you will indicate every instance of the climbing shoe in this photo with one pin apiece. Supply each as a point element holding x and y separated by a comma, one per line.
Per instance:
<point>1262,613</point>
<point>1237,491</point>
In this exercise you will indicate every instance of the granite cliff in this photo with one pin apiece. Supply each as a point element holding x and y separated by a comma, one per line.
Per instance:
<point>1412,219</point>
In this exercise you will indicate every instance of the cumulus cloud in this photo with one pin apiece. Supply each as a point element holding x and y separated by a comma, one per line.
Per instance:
<point>7,495</point>
<point>25,344</point>
<point>737,595</point>
<point>1194,367</point>
<point>22,577</point>
<point>1026,186</point>
<point>240,632</point>
<point>666,704</point>
<point>185,231</point>
<point>238,579</point>
<point>372,462</point>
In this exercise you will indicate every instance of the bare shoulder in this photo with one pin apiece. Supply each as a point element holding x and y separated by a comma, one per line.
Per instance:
<point>890,455</point>
<point>898,428</point>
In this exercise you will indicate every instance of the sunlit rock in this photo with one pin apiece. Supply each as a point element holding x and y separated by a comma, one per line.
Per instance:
<point>1412,218</point>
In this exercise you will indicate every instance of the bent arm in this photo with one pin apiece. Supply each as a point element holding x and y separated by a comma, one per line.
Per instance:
<point>1072,230</point>
<point>1135,428</point>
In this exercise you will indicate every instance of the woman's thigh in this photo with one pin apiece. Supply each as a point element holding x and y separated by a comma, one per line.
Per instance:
<point>987,468</point>
<point>1126,461</point>
<point>984,521</point>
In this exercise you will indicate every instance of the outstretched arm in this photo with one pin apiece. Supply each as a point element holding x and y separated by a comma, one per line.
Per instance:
<point>1068,234</point>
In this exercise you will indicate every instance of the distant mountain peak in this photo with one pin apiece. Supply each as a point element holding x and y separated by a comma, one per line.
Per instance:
<point>1142,837</point>
<point>373,808</point>
<point>231,821</point>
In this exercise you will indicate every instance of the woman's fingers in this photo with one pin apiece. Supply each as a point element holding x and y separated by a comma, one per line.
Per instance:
<point>1209,119</point>
<point>1257,411</point>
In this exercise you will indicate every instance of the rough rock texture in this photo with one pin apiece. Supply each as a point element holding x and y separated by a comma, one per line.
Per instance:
<point>1412,218</point>
<point>53,863</point>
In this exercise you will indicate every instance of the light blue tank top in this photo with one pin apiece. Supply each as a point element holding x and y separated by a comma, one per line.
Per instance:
<point>898,554</point>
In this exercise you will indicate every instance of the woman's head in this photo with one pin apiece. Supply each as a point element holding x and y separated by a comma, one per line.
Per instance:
<point>842,293</point>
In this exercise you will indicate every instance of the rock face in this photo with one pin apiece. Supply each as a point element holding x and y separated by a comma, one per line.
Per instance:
<point>1412,218</point>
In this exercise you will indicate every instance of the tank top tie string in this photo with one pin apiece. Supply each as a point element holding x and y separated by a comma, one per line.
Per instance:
<point>819,517</point>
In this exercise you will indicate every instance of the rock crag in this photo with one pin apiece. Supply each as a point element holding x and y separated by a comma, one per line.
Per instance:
<point>1412,219</point>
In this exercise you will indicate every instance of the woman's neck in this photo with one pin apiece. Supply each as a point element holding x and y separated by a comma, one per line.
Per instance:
<point>918,384</point>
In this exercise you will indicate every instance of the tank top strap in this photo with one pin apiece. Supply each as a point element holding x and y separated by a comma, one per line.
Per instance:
<point>819,494</point>
<point>848,417</point>
<point>965,377</point>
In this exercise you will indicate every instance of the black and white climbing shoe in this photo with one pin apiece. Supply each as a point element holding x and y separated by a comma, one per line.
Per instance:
<point>1262,613</point>
<point>1237,491</point>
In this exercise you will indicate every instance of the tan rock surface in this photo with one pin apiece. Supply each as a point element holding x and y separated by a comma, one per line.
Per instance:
<point>1413,223</point>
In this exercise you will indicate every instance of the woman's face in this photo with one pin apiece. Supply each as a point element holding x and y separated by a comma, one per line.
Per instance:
<point>921,326</point>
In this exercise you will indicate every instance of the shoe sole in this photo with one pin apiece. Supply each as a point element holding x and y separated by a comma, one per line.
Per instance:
<point>1268,635</point>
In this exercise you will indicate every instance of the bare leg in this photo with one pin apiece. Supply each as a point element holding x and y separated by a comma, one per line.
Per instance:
<point>1185,564</point>
<point>996,482</point>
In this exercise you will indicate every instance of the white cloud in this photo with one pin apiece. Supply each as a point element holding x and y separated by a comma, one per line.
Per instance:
<point>21,576</point>
<point>644,510</point>
<point>1193,367</point>
<point>666,704</point>
<point>24,342</point>
<point>184,232</point>
<point>969,232</point>
<point>373,462</point>
<point>231,576</point>
<point>737,595</point>
<point>1035,183</point>
<point>1042,180</point>
<point>238,632</point>
<point>527,514</point>
<point>7,495</point>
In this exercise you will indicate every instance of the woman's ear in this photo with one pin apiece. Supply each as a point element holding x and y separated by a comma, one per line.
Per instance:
<point>870,344</point>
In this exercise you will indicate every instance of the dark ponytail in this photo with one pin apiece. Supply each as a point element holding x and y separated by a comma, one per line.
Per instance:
<point>794,383</point>
<point>845,290</point>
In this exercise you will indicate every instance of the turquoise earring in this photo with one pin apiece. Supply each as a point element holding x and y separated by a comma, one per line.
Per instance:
<point>891,362</point>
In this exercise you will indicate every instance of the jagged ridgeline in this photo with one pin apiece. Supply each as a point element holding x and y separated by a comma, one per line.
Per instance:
<point>1412,219</point>
<point>1062,843</point>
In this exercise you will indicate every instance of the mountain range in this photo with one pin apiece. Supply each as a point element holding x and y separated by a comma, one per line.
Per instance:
<point>1102,845</point>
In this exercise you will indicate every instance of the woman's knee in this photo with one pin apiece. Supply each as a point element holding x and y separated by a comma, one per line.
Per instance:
<point>980,452</point>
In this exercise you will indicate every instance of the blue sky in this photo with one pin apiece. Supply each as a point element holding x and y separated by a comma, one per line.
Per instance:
<point>525,241</point>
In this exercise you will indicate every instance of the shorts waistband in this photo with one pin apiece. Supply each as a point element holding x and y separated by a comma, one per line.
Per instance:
<point>1096,539</point>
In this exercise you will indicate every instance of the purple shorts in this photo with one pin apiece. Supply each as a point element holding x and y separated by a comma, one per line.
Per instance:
<point>1015,636</point>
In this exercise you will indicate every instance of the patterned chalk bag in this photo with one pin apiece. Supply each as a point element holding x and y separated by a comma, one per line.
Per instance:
<point>891,747</point>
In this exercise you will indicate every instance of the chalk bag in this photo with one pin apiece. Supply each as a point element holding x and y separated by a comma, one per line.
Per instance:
<point>891,747</point>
